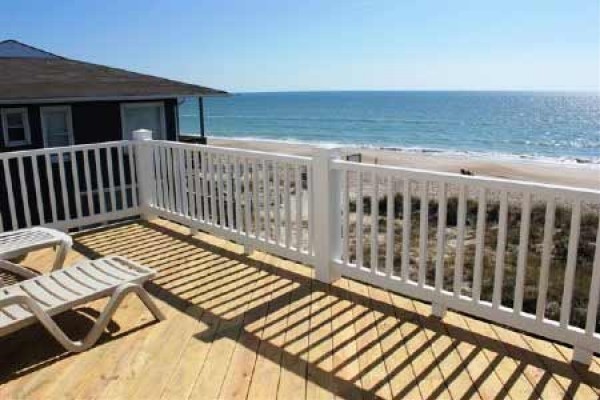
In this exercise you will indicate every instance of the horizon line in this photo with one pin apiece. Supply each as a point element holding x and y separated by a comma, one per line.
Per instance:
<point>574,91</point>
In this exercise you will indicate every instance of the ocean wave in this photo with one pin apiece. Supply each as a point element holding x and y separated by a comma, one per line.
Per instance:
<point>373,120</point>
<point>588,162</point>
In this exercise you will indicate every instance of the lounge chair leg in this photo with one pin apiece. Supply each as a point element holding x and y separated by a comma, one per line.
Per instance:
<point>149,303</point>
<point>61,254</point>
<point>112,306</point>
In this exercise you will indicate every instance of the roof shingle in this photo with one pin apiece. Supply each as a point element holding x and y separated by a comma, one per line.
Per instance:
<point>55,78</point>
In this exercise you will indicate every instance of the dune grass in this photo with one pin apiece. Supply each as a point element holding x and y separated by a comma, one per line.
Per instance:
<point>585,256</point>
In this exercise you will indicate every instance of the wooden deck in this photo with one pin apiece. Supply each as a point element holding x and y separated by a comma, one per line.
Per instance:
<point>259,327</point>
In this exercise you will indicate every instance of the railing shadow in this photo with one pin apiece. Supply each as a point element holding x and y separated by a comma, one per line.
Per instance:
<point>208,291</point>
<point>204,280</point>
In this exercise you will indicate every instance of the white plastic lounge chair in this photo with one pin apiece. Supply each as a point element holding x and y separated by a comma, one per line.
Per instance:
<point>20,242</point>
<point>41,297</point>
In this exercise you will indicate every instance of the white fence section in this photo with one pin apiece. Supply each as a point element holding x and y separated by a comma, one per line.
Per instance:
<point>261,200</point>
<point>523,254</point>
<point>68,187</point>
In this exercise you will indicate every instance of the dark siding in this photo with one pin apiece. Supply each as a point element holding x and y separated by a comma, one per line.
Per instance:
<point>171,118</point>
<point>101,121</point>
<point>93,122</point>
<point>96,122</point>
<point>35,124</point>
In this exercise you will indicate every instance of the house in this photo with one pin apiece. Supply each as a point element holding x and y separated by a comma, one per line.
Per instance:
<point>47,100</point>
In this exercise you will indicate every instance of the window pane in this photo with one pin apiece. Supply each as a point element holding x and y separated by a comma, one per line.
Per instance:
<point>56,127</point>
<point>56,121</point>
<point>16,134</point>
<point>14,120</point>
<point>147,117</point>
<point>58,140</point>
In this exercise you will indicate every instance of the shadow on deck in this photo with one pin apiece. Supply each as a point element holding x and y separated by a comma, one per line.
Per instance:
<point>260,327</point>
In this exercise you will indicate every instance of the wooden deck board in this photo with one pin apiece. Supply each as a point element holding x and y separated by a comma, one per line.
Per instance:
<point>265,378</point>
<point>294,360</point>
<point>345,361</point>
<point>541,379</point>
<point>403,382</point>
<point>422,357</point>
<point>482,365</point>
<point>452,364</point>
<point>319,383</point>
<point>372,368</point>
<point>508,371</point>
<point>258,326</point>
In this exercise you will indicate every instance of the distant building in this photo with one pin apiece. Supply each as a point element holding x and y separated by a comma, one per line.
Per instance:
<point>49,101</point>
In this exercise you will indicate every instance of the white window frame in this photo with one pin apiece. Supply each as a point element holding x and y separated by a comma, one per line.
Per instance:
<point>25,115</point>
<point>154,104</point>
<point>69,122</point>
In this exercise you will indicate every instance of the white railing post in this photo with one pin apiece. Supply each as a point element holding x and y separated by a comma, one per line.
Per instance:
<point>144,167</point>
<point>326,189</point>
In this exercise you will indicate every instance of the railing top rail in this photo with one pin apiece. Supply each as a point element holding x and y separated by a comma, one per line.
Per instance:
<point>64,149</point>
<point>233,151</point>
<point>489,182</point>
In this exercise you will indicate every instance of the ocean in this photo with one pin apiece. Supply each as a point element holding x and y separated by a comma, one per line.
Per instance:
<point>561,127</point>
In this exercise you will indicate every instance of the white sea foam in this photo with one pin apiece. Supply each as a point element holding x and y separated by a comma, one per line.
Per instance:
<point>593,163</point>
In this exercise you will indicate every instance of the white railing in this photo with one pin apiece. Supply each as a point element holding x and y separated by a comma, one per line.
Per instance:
<point>262,200</point>
<point>523,254</point>
<point>68,187</point>
<point>493,248</point>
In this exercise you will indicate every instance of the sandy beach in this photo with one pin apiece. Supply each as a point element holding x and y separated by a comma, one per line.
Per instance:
<point>575,175</point>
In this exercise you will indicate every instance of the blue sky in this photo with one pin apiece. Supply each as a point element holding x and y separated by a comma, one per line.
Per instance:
<point>243,45</point>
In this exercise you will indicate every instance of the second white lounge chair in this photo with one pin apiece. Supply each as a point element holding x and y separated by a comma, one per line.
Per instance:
<point>42,297</point>
<point>20,242</point>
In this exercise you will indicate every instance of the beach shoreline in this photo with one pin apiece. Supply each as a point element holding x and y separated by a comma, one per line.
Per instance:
<point>580,175</point>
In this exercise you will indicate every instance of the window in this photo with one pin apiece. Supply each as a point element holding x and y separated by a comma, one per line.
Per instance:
<point>57,126</point>
<point>15,127</point>
<point>150,116</point>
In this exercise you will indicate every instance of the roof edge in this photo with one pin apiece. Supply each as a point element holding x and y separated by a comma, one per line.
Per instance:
<point>83,99</point>
<point>32,48</point>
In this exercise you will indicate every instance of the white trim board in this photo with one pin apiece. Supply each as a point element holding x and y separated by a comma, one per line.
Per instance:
<point>105,98</point>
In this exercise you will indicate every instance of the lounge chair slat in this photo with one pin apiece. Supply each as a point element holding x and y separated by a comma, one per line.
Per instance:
<point>128,265</point>
<point>15,311</point>
<point>85,280</point>
<point>59,291</point>
<point>5,319</point>
<point>45,298</point>
<point>114,271</point>
<point>67,281</point>
<point>98,274</point>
